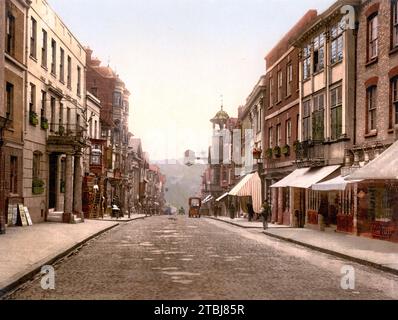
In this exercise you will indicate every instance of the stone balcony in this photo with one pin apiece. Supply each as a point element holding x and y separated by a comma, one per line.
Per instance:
<point>310,153</point>
<point>66,137</point>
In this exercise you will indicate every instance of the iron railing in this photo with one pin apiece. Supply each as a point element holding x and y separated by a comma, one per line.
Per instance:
<point>310,153</point>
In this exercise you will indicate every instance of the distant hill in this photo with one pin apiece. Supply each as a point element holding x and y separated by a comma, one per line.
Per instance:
<point>182,182</point>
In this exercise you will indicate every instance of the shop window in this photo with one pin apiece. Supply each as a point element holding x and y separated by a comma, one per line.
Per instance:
<point>381,202</point>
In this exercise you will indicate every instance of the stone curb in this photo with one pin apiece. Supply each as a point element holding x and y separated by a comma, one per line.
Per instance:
<point>239,225</point>
<point>37,268</point>
<point>336,254</point>
<point>120,221</point>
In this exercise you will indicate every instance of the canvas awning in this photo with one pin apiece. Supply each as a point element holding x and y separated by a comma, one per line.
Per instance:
<point>305,177</point>
<point>384,167</point>
<point>336,184</point>
<point>222,197</point>
<point>207,199</point>
<point>249,186</point>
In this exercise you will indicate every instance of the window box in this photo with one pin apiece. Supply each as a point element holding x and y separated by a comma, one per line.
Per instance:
<point>257,153</point>
<point>33,118</point>
<point>37,186</point>
<point>268,153</point>
<point>277,152</point>
<point>44,123</point>
<point>296,146</point>
<point>286,150</point>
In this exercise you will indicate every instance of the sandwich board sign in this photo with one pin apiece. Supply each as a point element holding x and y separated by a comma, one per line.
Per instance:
<point>28,217</point>
<point>14,215</point>
<point>22,216</point>
<point>10,217</point>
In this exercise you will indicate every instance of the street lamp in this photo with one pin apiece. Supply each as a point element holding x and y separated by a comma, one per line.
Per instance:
<point>257,153</point>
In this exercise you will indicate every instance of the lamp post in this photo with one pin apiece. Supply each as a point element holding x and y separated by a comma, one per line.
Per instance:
<point>3,124</point>
<point>257,155</point>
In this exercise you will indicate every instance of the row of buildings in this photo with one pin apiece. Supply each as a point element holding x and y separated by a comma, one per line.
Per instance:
<point>324,110</point>
<point>66,151</point>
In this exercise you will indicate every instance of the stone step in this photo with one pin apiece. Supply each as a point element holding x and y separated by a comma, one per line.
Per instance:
<point>77,220</point>
<point>54,218</point>
<point>56,213</point>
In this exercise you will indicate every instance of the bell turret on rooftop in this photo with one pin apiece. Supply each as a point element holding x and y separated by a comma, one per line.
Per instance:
<point>220,119</point>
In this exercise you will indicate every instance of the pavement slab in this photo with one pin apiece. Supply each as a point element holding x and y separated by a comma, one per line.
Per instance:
<point>25,249</point>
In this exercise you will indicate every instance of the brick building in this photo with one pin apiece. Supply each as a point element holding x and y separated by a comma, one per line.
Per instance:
<point>281,116</point>
<point>373,212</point>
<point>13,56</point>
<point>106,85</point>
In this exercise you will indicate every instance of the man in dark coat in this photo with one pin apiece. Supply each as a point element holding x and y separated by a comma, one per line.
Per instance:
<point>265,212</point>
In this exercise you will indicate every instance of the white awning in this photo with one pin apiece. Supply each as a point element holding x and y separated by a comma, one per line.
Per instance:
<point>336,184</point>
<point>249,186</point>
<point>291,178</point>
<point>222,197</point>
<point>207,199</point>
<point>305,177</point>
<point>384,167</point>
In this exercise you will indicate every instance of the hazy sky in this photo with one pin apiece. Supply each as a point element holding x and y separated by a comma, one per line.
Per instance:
<point>178,57</point>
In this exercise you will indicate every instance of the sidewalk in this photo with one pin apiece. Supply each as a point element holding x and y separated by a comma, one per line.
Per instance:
<point>124,219</point>
<point>244,223</point>
<point>377,253</point>
<point>25,250</point>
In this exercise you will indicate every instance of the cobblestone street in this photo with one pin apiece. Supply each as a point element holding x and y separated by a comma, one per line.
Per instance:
<point>181,258</point>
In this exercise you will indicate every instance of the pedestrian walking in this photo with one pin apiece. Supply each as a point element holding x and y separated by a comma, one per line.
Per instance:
<point>323,212</point>
<point>265,212</point>
<point>250,211</point>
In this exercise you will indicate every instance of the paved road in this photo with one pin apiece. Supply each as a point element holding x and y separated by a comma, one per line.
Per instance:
<point>163,258</point>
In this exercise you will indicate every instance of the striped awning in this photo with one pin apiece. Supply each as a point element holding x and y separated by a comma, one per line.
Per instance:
<point>249,186</point>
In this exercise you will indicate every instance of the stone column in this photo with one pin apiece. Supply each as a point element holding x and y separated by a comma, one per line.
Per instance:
<point>77,186</point>
<point>58,204</point>
<point>68,201</point>
<point>280,206</point>
<point>274,203</point>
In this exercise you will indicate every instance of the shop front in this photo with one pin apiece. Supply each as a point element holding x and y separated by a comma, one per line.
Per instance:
<point>300,202</point>
<point>377,196</point>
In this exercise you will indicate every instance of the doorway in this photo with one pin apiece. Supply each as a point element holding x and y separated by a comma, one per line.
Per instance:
<point>52,182</point>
